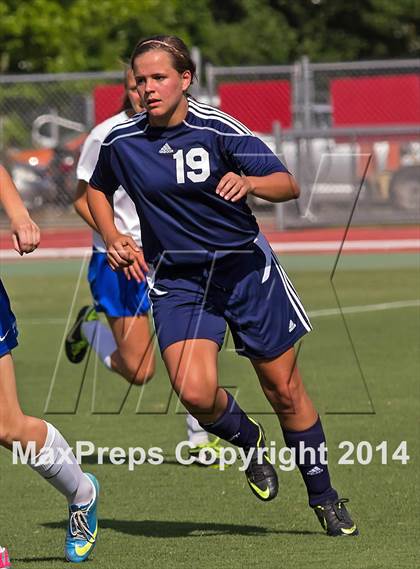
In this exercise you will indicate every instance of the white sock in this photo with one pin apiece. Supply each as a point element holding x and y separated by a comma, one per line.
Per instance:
<point>101,339</point>
<point>61,470</point>
<point>196,434</point>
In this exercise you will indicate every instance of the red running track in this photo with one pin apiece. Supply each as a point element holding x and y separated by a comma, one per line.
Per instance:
<point>359,239</point>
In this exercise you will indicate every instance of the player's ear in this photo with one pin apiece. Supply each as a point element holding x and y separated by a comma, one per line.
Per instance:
<point>186,80</point>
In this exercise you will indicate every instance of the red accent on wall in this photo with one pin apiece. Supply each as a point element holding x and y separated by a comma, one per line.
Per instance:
<point>108,100</point>
<point>381,100</point>
<point>257,104</point>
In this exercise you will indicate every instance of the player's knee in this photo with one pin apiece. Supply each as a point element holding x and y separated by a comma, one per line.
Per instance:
<point>195,398</point>
<point>285,394</point>
<point>139,370</point>
<point>283,384</point>
<point>10,431</point>
<point>143,376</point>
<point>6,437</point>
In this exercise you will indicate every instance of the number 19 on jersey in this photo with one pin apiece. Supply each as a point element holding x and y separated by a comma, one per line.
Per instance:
<point>197,161</point>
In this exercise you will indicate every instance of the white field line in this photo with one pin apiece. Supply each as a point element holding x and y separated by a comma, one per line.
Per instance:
<point>48,253</point>
<point>364,308</point>
<point>312,314</point>
<point>361,245</point>
<point>278,247</point>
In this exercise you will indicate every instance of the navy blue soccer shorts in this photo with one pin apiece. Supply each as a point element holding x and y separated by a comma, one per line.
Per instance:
<point>248,290</point>
<point>8,328</point>
<point>112,292</point>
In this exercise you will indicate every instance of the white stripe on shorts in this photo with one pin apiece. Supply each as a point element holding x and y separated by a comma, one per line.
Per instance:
<point>262,243</point>
<point>293,292</point>
<point>293,297</point>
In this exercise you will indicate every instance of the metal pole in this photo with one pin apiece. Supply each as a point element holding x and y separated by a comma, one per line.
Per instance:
<point>89,111</point>
<point>210,83</point>
<point>196,57</point>
<point>296,95</point>
<point>279,217</point>
<point>307,92</point>
<point>305,153</point>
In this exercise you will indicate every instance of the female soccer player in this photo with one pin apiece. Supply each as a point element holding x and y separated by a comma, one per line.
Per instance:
<point>54,459</point>
<point>188,168</point>
<point>127,347</point>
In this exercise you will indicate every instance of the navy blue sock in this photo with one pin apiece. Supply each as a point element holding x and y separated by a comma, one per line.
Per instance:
<point>234,426</point>
<point>314,473</point>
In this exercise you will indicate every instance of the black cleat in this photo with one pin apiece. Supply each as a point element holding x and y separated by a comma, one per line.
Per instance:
<point>76,345</point>
<point>335,519</point>
<point>261,474</point>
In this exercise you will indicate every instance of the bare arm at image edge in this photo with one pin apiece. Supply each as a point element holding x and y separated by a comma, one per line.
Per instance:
<point>25,233</point>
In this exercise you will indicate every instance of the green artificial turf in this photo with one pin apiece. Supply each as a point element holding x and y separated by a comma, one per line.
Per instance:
<point>362,373</point>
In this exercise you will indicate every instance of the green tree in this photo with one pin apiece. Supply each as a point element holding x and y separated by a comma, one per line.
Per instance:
<point>31,34</point>
<point>362,29</point>
<point>79,35</point>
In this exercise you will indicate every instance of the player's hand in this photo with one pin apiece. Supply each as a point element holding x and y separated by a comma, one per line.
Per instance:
<point>233,187</point>
<point>25,234</point>
<point>124,253</point>
<point>138,269</point>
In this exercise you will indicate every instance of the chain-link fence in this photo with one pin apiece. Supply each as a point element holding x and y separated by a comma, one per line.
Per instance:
<point>345,130</point>
<point>44,120</point>
<point>334,125</point>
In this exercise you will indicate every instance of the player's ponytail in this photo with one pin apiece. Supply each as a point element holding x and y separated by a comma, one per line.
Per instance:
<point>126,103</point>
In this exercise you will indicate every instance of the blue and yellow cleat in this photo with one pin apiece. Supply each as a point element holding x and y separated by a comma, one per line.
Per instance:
<point>83,528</point>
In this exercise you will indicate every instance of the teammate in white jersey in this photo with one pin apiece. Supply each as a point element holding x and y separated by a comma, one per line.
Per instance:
<point>52,457</point>
<point>127,346</point>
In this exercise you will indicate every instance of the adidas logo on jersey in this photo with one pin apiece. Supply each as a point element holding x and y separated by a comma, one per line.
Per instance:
<point>166,149</point>
<point>292,325</point>
<point>314,471</point>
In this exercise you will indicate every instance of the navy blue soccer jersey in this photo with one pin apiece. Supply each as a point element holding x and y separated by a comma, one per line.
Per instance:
<point>171,175</point>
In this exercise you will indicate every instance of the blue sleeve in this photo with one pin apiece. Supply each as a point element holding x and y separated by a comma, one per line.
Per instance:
<point>252,156</point>
<point>103,177</point>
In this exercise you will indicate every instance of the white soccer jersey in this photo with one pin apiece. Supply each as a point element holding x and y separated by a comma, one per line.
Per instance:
<point>126,218</point>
